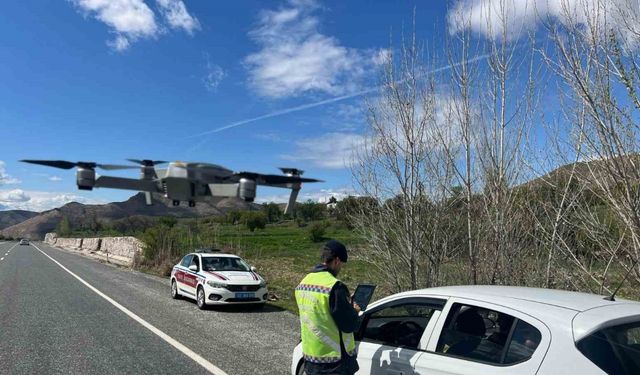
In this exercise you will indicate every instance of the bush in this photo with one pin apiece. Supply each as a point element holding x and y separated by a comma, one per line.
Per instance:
<point>310,211</point>
<point>272,211</point>
<point>317,231</point>
<point>254,220</point>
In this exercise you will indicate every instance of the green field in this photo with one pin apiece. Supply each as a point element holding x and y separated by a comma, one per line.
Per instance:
<point>284,254</point>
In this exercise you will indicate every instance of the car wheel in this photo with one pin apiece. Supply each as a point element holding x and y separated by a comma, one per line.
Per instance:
<point>301,369</point>
<point>174,290</point>
<point>200,299</point>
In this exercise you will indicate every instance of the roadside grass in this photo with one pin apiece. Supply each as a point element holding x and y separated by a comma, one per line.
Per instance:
<point>284,254</point>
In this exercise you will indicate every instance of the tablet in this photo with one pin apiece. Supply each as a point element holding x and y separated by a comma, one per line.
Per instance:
<point>362,295</point>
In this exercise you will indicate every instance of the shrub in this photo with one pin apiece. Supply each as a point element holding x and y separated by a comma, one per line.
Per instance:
<point>317,231</point>
<point>254,220</point>
<point>272,211</point>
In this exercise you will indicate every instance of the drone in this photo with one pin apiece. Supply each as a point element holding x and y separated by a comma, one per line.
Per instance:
<point>184,181</point>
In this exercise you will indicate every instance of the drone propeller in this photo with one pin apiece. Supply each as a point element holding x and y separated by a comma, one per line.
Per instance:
<point>63,164</point>
<point>292,171</point>
<point>147,162</point>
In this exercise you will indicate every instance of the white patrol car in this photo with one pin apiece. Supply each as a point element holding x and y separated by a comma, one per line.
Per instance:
<point>214,278</point>
<point>470,330</point>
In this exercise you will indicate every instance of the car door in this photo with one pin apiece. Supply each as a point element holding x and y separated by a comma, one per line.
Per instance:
<point>191,277</point>
<point>181,273</point>
<point>393,336</point>
<point>474,337</point>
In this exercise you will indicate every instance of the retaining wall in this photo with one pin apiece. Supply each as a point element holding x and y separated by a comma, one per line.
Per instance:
<point>120,250</point>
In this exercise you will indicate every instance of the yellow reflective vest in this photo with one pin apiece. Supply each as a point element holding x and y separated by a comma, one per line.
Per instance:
<point>320,334</point>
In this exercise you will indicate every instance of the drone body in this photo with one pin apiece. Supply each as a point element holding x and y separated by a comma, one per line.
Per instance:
<point>184,182</point>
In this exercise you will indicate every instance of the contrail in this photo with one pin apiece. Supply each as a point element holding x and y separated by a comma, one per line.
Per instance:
<point>319,103</point>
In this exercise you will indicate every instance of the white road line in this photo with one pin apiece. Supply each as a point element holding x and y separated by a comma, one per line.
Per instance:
<point>1,258</point>
<point>171,341</point>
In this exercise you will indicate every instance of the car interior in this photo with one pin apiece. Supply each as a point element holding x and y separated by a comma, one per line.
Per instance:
<point>483,335</point>
<point>400,326</point>
<point>223,264</point>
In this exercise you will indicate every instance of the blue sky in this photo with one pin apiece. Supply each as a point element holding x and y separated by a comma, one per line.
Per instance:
<point>250,85</point>
<point>82,81</point>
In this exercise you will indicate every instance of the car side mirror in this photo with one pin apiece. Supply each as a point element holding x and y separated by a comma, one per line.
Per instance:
<point>193,268</point>
<point>253,269</point>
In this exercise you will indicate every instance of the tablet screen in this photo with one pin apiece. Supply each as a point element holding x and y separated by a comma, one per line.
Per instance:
<point>362,295</point>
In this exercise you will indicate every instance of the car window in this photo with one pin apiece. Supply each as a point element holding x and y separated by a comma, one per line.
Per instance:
<point>195,261</point>
<point>186,261</point>
<point>524,341</point>
<point>224,264</point>
<point>616,350</point>
<point>399,325</point>
<point>486,335</point>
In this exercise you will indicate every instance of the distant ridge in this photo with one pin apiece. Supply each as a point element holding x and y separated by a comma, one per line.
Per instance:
<point>38,224</point>
<point>13,217</point>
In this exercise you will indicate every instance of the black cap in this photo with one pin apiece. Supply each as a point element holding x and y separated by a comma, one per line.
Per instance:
<point>337,249</point>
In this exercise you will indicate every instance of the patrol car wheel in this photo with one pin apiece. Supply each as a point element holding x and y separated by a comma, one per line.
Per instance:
<point>301,369</point>
<point>174,290</point>
<point>200,299</point>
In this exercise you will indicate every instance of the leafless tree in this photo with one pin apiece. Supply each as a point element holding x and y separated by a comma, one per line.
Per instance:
<point>594,55</point>
<point>400,167</point>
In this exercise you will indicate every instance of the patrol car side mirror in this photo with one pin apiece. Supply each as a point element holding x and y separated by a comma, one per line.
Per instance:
<point>253,269</point>
<point>193,268</point>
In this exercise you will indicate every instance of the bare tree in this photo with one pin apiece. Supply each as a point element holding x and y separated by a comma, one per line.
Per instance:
<point>595,56</point>
<point>407,177</point>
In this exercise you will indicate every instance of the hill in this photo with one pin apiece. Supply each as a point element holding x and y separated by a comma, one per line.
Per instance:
<point>13,217</point>
<point>79,214</point>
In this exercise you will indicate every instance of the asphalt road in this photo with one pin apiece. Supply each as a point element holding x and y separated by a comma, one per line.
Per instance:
<point>51,322</point>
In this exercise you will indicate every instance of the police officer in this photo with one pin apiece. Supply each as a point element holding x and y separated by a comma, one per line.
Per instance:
<point>327,316</point>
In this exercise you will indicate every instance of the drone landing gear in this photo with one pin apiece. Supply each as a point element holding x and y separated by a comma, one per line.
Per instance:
<point>176,203</point>
<point>192,203</point>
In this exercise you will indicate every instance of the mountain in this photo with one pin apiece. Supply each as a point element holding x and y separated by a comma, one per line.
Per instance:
<point>80,214</point>
<point>13,217</point>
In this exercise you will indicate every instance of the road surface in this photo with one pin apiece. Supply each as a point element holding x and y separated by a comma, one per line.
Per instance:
<point>109,320</point>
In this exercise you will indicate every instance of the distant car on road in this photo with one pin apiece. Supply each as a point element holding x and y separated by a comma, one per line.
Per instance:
<point>215,278</point>
<point>496,330</point>
<point>24,241</point>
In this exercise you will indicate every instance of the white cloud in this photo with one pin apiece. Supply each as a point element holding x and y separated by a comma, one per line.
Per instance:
<point>18,199</point>
<point>54,178</point>
<point>176,14</point>
<point>5,178</point>
<point>486,16</point>
<point>214,75</point>
<point>296,58</point>
<point>320,196</point>
<point>131,20</point>
<point>332,150</point>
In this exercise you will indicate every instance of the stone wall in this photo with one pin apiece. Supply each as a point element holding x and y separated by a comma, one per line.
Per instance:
<point>126,247</point>
<point>50,238</point>
<point>91,244</point>
<point>120,250</point>
<point>69,243</point>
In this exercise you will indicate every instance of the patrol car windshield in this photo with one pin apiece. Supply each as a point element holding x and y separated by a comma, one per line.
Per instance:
<point>224,264</point>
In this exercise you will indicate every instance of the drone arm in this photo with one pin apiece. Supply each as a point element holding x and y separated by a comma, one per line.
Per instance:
<point>126,184</point>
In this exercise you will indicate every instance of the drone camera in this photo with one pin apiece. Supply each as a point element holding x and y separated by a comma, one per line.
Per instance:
<point>85,178</point>
<point>247,189</point>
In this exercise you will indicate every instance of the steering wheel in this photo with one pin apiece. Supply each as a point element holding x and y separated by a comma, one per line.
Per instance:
<point>409,333</point>
<point>409,327</point>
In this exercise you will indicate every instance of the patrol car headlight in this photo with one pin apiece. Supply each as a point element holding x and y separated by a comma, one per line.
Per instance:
<point>214,284</point>
<point>263,284</point>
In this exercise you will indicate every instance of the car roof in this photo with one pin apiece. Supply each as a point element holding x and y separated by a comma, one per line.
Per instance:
<point>510,295</point>
<point>217,255</point>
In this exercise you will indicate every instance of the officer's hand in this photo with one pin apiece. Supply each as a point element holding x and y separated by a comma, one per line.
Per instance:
<point>356,307</point>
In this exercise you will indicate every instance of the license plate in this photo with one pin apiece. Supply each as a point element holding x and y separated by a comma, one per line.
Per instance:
<point>245,295</point>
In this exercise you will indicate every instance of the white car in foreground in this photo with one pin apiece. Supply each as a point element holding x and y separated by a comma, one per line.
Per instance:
<point>497,330</point>
<point>213,278</point>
